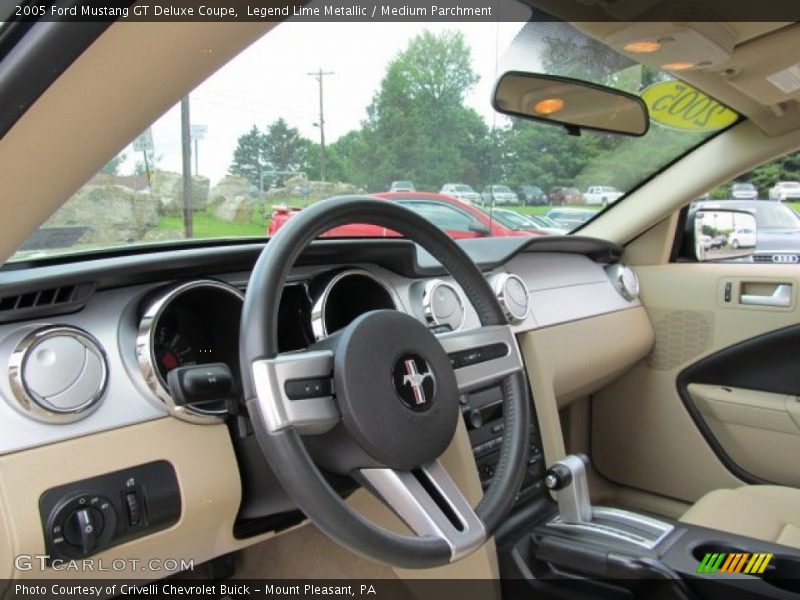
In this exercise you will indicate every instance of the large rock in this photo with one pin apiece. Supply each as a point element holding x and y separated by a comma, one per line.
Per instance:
<point>228,188</point>
<point>239,209</point>
<point>168,186</point>
<point>298,188</point>
<point>115,213</point>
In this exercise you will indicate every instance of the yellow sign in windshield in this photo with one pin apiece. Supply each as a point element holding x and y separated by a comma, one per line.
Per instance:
<point>677,104</point>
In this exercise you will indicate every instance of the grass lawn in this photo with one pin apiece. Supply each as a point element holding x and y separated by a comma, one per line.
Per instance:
<point>208,226</point>
<point>541,210</point>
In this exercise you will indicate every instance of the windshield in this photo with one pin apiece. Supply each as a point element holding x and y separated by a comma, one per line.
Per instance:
<point>415,106</point>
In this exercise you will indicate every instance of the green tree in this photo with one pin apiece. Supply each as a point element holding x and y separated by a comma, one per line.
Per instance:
<point>112,166</point>
<point>141,169</point>
<point>249,159</point>
<point>417,127</point>
<point>785,168</point>
<point>283,148</point>
<point>346,159</point>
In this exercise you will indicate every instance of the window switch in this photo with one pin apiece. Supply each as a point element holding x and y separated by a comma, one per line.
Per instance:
<point>132,503</point>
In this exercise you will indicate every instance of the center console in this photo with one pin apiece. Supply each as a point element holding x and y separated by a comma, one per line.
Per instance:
<point>483,415</point>
<point>571,548</point>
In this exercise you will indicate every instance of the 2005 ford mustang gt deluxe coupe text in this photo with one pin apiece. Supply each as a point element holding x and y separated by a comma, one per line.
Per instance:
<point>395,394</point>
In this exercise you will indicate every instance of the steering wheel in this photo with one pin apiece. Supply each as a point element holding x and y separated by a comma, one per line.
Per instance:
<point>378,400</point>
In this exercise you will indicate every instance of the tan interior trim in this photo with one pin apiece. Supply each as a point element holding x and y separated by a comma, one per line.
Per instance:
<point>643,410</point>
<point>638,500</point>
<point>207,476</point>
<point>130,75</point>
<point>758,430</point>
<point>764,512</point>
<point>569,361</point>
<point>654,246</point>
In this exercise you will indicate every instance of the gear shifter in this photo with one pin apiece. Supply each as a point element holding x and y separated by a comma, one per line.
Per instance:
<point>567,478</point>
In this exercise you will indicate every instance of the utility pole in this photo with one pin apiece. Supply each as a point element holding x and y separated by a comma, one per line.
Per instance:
<point>186,151</point>
<point>319,75</point>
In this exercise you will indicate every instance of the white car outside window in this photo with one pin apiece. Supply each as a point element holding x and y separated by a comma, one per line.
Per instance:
<point>785,190</point>
<point>742,238</point>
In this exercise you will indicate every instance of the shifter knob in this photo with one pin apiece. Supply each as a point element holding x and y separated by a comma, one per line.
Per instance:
<point>567,478</point>
<point>557,477</point>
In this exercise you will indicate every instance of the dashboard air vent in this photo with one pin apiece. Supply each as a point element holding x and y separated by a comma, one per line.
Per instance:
<point>44,302</point>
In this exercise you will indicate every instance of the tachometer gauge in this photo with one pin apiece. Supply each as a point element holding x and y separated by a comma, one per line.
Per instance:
<point>172,350</point>
<point>192,323</point>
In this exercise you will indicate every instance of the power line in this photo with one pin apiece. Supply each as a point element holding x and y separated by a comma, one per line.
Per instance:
<point>319,75</point>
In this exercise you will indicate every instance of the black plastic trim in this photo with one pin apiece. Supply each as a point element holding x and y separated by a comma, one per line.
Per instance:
<point>119,268</point>
<point>269,524</point>
<point>159,500</point>
<point>763,363</point>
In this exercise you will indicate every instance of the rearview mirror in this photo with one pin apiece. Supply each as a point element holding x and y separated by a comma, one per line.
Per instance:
<point>573,103</point>
<point>721,234</point>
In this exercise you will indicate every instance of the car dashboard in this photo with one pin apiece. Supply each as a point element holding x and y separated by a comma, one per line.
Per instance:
<point>114,327</point>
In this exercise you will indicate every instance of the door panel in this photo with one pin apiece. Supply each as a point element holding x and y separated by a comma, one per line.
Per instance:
<point>758,431</point>
<point>744,399</point>
<point>686,445</point>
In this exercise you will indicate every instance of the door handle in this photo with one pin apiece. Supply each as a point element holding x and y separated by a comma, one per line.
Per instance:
<point>782,296</point>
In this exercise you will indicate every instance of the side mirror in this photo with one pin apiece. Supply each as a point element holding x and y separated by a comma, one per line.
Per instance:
<point>479,228</point>
<point>721,234</point>
<point>572,103</point>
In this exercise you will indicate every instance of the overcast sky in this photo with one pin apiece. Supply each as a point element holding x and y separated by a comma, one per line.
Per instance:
<point>269,80</point>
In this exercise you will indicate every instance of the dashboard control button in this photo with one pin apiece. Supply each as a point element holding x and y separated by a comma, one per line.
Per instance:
<point>301,389</point>
<point>132,503</point>
<point>474,356</point>
<point>475,418</point>
<point>83,529</point>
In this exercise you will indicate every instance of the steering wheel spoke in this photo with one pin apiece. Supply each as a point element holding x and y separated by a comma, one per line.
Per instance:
<point>296,391</point>
<point>431,504</point>
<point>482,356</point>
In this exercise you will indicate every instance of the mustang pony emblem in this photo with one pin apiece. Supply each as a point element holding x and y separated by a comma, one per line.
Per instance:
<point>416,379</point>
<point>414,382</point>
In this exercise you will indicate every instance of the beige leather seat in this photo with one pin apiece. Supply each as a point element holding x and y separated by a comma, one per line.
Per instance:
<point>765,512</point>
